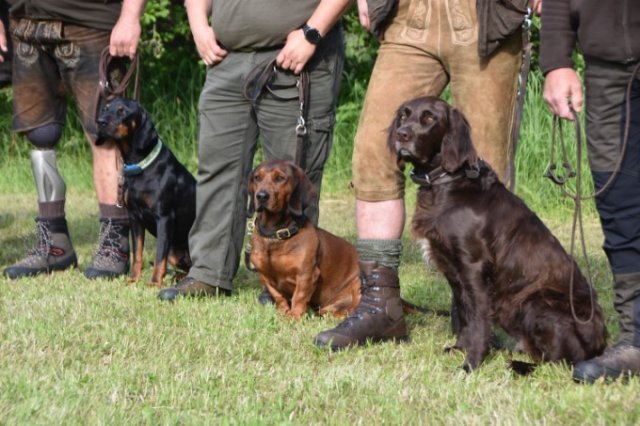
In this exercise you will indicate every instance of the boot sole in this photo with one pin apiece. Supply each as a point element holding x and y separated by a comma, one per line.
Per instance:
<point>18,272</point>
<point>369,340</point>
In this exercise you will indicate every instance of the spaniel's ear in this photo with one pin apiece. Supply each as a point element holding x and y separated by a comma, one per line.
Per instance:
<point>302,191</point>
<point>391,138</point>
<point>457,148</point>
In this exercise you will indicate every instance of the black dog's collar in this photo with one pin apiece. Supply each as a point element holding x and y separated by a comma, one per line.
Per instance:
<point>137,168</point>
<point>439,176</point>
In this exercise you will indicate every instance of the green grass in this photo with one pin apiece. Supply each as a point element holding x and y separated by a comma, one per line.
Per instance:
<point>74,351</point>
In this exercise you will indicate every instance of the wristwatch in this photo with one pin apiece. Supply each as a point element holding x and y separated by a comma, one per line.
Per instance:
<point>311,34</point>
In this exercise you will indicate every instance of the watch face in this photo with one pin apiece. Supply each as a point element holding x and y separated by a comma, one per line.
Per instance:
<point>311,34</point>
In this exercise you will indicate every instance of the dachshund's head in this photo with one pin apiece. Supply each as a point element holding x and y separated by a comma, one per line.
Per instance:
<point>125,122</point>
<point>279,188</point>
<point>428,130</point>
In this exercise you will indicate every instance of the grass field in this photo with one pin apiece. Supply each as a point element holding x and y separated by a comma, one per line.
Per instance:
<point>74,351</point>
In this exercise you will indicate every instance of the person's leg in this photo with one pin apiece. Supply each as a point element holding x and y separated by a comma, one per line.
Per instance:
<point>78,57</point>
<point>407,67</point>
<point>39,114</point>
<point>226,145</point>
<point>483,89</point>
<point>618,207</point>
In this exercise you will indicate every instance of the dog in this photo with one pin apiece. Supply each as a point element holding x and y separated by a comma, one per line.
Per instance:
<point>503,264</point>
<point>159,192</point>
<point>299,264</point>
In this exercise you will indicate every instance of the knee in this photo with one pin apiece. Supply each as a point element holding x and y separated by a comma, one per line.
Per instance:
<point>45,137</point>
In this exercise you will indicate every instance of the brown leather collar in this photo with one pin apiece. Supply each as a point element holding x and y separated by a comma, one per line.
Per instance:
<point>439,176</point>
<point>281,233</point>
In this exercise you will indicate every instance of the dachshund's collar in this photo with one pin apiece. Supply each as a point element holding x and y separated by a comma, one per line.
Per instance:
<point>439,176</point>
<point>137,168</point>
<point>283,233</point>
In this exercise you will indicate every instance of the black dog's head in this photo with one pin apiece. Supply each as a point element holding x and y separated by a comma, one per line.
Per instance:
<point>125,122</point>
<point>427,127</point>
<point>279,188</point>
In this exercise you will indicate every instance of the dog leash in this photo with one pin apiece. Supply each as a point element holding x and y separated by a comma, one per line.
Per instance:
<point>107,90</point>
<point>262,78</point>
<point>523,78</point>
<point>561,179</point>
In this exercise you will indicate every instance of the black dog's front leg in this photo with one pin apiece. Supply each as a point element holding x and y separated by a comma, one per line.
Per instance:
<point>137,238</point>
<point>164,228</point>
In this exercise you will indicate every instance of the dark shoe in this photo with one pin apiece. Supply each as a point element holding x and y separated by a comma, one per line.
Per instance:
<point>53,251</point>
<point>265,298</point>
<point>112,256</point>
<point>622,359</point>
<point>379,314</point>
<point>191,287</point>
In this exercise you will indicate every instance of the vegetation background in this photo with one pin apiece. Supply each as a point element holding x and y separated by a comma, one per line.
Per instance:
<point>101,352</point>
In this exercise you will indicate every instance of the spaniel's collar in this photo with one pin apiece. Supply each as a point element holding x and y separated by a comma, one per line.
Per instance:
<point>137,168</point>
<point>283,233</point>
<point>440,176</point>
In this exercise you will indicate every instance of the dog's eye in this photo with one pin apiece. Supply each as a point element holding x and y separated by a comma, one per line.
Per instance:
<point>120,111</point>
<point>427,118</point>
<point>280,178</point>
<point>257,178</point>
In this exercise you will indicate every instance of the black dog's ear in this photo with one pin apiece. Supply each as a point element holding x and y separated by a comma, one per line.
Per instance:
<point>457,148</point>
<point>302,191</point>
<point>391,138</point>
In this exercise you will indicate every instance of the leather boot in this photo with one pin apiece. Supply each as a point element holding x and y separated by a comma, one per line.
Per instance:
<point>378,316</point>
<point>623,359</point>
<point>112,257</point>
<point>53,251</point>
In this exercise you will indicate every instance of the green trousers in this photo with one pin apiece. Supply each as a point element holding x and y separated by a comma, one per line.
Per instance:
<point>230,127</point>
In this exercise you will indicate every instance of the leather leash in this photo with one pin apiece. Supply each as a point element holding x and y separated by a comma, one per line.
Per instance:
<point>262,78</point>
<point>523,78</point>
<point>108,90</point>
<point>577,197</point>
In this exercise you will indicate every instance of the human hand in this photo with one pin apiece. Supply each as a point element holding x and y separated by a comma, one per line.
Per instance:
<point>207,45</point>
<point>296,52</point>
<point>536,7</point>
<point>3,41</point>
<point>125,37</point>
<point>363,14</point>
<point>562,89</point>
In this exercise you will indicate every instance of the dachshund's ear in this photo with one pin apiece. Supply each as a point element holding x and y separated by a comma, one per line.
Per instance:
<point>302,191</point>
<point>457,148</point>
<point>251,205</point>
<point>391,138</point>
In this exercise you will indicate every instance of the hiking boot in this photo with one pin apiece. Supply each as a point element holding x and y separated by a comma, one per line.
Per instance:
<point>112,256</point>
<point>622,359</point>
<point>53,251</point>
<point>378,316</point>
<point>265,298</point>
<point>191,287</point>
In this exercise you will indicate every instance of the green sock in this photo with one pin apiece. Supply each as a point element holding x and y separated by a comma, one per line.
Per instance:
<point>385,252</point>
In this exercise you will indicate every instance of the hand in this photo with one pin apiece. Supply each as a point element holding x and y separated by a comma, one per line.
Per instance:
<point>125,37</point>
<point>296,52</point>
<point>363,14</point>
<point>207,45</point>
<point>536,7</point>
<point>563,88</point>
<point>3,41</point>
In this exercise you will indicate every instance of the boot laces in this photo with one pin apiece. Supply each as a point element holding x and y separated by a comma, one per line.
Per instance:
<point>44,241</point>
<point>368,301</point>
<point>109,241</point>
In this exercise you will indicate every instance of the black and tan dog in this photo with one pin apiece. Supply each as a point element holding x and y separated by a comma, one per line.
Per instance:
<point>159,192</point>
<point>502,263</point>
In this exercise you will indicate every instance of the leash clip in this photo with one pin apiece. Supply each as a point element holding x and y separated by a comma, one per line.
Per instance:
<point>301,128</point>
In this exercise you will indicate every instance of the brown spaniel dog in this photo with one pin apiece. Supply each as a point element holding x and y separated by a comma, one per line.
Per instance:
<point>502,263</point>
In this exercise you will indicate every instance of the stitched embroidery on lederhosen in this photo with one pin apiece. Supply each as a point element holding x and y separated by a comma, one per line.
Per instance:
<point>416,28</point>
<point>463,29</point>
<point>35,35</point>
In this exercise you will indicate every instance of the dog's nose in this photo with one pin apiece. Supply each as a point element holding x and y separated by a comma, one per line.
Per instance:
<point>403,134</point>
<point>262,196</point>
